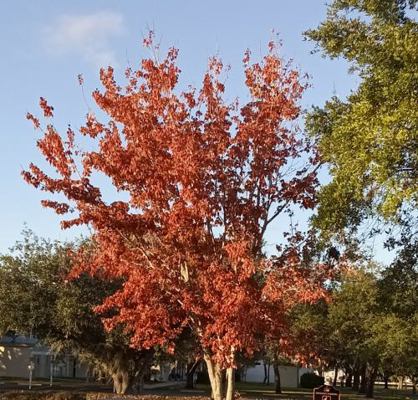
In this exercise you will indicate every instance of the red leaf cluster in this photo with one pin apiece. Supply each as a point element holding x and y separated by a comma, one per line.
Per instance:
<point>199,181</point>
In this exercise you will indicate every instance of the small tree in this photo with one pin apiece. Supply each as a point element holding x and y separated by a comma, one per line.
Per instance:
<point>200,181</point>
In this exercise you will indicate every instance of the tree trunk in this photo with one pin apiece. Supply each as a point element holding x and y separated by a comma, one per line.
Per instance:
<point>370,389</point>
<point>140,384</point>
<point>74,367</point>
<point>414,385</point>
<point>268,374</point>
<point>334,383</point>
<point>400,382</point>
<point>362,388</point>
<point>120,382</point>
<point>277,381</point>
<point>265,372</point>
<point>191,369</point>
<point>230,389</point>
<point>370,383</point>
<point>215,378</point>
<point>356,380</point>
<point>117,383</point>
<point>125,382</point>
<point>349,380</point>
<point>142,366</point>
<point>320,369</point>
<point>137,382</point>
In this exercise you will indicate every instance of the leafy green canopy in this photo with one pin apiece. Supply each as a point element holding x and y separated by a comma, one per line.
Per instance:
<point>36,298</point>
<point>370,322</point>
<point>370,139</point>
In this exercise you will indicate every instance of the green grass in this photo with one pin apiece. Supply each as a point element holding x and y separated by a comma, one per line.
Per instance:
<point>259,390</point>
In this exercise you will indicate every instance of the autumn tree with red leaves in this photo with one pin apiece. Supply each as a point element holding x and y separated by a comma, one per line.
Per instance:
<point>200,181</point>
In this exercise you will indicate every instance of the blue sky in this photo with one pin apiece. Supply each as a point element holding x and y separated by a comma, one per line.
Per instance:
<point>45,45</point>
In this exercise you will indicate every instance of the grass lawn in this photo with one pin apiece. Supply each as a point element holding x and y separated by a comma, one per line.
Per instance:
<point>258,390</point>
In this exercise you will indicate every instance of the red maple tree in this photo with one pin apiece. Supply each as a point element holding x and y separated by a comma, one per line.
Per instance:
<point>199,181</point>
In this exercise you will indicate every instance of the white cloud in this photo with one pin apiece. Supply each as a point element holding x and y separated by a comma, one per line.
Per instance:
<point>87,36</point>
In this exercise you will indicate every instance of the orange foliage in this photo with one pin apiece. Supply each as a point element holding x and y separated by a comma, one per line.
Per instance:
<point>201,181</point>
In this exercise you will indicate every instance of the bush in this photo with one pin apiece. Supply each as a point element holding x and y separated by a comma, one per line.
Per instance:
<point>309,380</point>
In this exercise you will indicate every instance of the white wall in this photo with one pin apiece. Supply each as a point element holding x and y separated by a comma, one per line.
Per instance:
<point>289,375</point>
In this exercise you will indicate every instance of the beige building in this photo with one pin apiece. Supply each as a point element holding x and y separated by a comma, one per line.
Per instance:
<point>20,354</point>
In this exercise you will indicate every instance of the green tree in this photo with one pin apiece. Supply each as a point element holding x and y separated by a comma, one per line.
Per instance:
<point>351,316</point>
<point>369,327</point>
<point>310,332</point>
<point>398,330</point>
<point>396,341</point>
<point>329,334</point>
<point>369,139</point>
<point>36,298</point>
